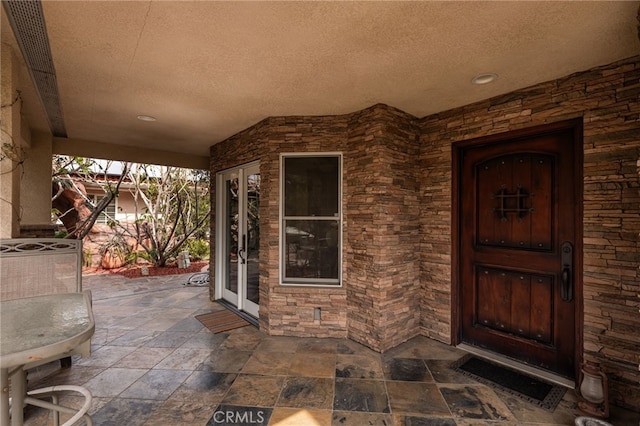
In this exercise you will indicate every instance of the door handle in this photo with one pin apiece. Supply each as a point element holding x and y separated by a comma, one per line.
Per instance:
<point>566,290</point>
<point>242,250</point>
<point>566,277</point>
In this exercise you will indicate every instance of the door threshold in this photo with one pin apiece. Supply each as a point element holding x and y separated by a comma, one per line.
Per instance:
<point>516,365</point>
<point>249,318</point>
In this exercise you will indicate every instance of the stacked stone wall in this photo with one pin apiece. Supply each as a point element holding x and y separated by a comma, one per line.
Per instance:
<point>285,310</point>
<point>608,101</point>
<point>291,308</point>
<point>378,303</point>
<point>382,262</point>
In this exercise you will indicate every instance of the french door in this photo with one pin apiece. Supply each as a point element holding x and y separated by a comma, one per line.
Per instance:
<point>238,237</point>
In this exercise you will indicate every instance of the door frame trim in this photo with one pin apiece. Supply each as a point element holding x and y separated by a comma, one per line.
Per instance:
<point>458,148</point>
<point>219,255</point>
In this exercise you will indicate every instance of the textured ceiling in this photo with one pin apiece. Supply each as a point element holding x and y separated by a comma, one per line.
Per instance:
<point>207,70</point>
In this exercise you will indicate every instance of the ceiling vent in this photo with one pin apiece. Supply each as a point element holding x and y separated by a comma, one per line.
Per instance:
<point>27,22</point>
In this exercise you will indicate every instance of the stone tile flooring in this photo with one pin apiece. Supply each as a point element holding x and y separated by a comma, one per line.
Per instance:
<point>154,364</point>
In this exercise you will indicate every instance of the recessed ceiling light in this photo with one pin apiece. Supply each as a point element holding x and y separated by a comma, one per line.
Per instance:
<point>146,118</point>
<point>484,78</point>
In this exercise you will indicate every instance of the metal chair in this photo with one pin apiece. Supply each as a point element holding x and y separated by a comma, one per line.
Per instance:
<point>41,266</point>
<point>34,398</point>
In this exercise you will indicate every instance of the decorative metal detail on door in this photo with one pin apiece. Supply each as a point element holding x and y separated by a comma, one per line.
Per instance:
<point>512,202</point>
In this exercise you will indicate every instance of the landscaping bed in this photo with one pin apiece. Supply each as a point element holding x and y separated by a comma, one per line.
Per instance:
<point>134,271</point>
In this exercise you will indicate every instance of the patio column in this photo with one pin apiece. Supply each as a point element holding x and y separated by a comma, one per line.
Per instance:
<point>11,150</point>
<point>35,187</point>
<point>25,161</point>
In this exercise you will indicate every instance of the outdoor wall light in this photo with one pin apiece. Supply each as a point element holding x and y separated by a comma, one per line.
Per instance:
<point>594,391</point>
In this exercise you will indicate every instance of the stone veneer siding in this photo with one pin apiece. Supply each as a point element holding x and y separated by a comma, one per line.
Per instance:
<point>397,215</point>
<point>379,302</point>
<point>608,100</point>
<point>382,263</point>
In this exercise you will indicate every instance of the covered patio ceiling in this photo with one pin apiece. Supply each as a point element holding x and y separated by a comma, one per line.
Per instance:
<point>206,70</point>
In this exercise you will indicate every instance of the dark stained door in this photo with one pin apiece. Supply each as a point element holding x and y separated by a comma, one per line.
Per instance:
<point>517,233</point>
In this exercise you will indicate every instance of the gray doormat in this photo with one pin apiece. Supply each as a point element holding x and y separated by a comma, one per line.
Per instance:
<point>531,389</point>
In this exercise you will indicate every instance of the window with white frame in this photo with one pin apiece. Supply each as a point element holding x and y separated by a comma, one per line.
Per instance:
<point>109,213</point>
<point>311,219</point>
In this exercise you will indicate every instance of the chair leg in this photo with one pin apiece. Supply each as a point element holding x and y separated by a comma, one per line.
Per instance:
<point>34,396</point>
<point>56,413</point>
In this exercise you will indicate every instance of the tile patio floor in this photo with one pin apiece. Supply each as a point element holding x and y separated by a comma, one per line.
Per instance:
<point>154,364</point>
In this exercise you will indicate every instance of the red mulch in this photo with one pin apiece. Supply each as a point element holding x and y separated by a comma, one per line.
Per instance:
<point>133,271</point>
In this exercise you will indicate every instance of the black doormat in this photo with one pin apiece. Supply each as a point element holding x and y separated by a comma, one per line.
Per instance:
<point>534,390</point>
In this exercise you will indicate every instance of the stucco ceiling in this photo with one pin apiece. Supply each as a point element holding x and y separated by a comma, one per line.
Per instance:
<point>207,70</point>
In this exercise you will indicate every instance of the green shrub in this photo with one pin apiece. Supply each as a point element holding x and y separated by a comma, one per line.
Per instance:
<point>198,249</point>
<point>87,258</point>
<point>133,256</point>
<point>60,233</point>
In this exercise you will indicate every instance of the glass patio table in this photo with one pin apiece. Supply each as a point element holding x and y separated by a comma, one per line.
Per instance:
<point>36,330</point>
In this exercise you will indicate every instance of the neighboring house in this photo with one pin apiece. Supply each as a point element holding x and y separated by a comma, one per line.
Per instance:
<point>121,209</point>
<point>109,212</point>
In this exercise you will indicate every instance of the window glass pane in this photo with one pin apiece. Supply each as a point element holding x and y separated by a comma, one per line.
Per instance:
<point>109,213</point>
<point>311,249</point>
<point>311,186</point>
<point>110,210</point>
<point>231,238</point>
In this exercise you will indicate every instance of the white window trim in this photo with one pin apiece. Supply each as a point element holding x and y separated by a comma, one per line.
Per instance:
<point>309,282</point>
<point>95,199</point>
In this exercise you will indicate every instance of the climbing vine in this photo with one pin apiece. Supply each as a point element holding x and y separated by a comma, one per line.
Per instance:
<point>9,150</point>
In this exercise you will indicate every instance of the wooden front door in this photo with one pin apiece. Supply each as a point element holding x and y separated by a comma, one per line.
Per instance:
<point>518,276</point>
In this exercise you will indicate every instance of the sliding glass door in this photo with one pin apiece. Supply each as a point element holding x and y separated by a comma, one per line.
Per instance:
<point>238,237</point>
